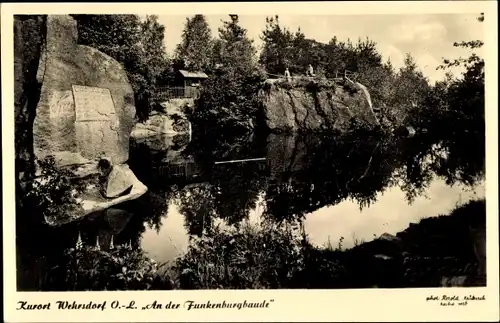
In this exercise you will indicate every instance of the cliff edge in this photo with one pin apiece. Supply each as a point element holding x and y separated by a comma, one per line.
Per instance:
<point>305,105</point>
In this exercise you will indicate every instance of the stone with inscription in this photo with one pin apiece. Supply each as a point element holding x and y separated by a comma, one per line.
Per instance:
<point>86,103</point>
<point>96,122</point>
<point>85,113</point>
<point>93,104</point>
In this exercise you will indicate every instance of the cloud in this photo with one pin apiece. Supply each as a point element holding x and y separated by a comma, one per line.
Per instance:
<point>434,30</point>
<point>393,53</point>
<point>416,30</point>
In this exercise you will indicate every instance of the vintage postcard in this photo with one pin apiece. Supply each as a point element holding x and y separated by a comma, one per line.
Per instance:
<point>199,162</point>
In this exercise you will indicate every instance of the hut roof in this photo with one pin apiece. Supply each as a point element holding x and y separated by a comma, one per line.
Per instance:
<point>188,74</point>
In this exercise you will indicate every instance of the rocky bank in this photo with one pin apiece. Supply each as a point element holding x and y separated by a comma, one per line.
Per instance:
<point>307,104</point>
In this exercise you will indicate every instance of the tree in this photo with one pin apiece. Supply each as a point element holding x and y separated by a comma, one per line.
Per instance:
<point>464,95</point>
<point>410,87</point>
<point>278,47</point>
<point>228,98</point>
<point>29,41</point>
<point>237,53</point>
<point>195,50</point>
<point>136,44</point>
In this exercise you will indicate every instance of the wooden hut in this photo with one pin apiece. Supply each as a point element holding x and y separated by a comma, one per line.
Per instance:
<point>187,83</point>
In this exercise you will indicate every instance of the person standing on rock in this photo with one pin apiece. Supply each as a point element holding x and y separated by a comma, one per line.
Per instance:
<point>310,70</point>
<point>287,75</point>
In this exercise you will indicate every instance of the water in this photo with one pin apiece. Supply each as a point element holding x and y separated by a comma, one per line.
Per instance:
<point>350,188</point>
<point>356,186</point>
<point>390,214</point>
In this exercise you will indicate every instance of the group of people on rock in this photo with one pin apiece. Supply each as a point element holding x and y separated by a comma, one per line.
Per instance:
<point>309,72</point>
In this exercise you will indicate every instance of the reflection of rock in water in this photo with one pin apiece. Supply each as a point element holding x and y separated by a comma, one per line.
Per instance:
<point>106,226</point>
<point>164,142</point>
<point>162,158</point>
<point>288,154</point>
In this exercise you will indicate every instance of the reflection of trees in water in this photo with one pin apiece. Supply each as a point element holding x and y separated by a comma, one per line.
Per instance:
<point>306,173</point>
<point>238,187</point>
<point>230,196</point>
<point>332,169</point>
<point>196,204</point>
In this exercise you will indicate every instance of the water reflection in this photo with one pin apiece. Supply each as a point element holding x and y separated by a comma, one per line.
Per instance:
<point>354,186</point>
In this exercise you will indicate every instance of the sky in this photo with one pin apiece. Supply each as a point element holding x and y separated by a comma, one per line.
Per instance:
<point>428,38</point>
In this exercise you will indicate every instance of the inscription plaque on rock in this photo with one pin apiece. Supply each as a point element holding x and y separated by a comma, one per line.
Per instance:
<point>97,123</point>
<point>93,103</point>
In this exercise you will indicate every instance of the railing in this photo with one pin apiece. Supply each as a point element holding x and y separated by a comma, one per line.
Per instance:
<point>338,76</point>
<point>347,74</point>
<point>178,92</point>
<point>187,169</point>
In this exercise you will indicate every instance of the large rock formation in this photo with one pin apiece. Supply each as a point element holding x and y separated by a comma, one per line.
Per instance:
<point>315,105</point>
<point>84,117</point>
<point>62,126</point>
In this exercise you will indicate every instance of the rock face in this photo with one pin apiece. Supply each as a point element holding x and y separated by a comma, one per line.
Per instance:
<point>101,121</point>
<point>28,39</point>
<point>172,120</point>
<point>161,124</point>
<point>308,105</point>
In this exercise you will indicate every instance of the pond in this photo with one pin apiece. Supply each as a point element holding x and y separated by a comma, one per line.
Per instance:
<point>348,189</point>
<point>378,190</point>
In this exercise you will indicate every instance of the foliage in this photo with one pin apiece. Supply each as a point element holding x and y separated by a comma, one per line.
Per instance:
<point>411,89</point>
<point>121,268</point>
<point>270,255</point>
<point>52,194</point>
<point>136,44</point>
<point>194,51</point>
<point>228,100</point>
<point>455,108</point>
<point>278,50</point>
<point>262,256</point>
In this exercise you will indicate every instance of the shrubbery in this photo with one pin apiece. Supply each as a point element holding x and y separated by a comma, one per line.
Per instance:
<point>121,268</point>
<point>52,194</point>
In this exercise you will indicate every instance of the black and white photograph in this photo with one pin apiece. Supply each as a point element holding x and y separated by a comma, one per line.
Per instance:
<point>242,152</point>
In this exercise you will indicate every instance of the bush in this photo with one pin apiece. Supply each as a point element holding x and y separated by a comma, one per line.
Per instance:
<point>263,256</point>
<point>121,268</point>
<point>52,194</point>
